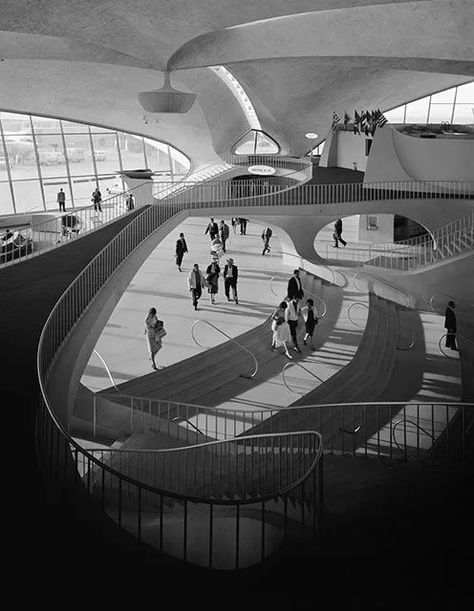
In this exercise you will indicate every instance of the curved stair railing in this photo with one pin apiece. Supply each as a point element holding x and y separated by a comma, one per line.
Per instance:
<point>416,425</point>
<point>222,504</point>
<point>369,424</point>
<point>360,303</point>
<point>447,241</point>
<point>106,369</point>
<point>312,267</point>
<point>232,339</point>
<point>189,423</point>
<point>321,313</point>
<point>283,371</point>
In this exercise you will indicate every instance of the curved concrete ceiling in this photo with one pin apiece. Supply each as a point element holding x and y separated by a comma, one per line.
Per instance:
<point>297,61</point>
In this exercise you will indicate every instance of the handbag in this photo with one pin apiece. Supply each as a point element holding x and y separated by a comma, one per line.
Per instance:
<point>159,330</point>
<point>160,333</point>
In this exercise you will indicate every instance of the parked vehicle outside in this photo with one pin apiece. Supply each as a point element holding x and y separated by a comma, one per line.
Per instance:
<point>75,155</point>
<point>99,155</point>
<point>50,157</point>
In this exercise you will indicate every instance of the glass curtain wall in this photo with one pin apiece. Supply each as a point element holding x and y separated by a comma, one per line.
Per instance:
<point>39,156</point>
<point>455,106</point>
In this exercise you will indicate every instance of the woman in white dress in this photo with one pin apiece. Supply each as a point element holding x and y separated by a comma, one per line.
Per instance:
<point>153,331</point>
<point>281,329</point>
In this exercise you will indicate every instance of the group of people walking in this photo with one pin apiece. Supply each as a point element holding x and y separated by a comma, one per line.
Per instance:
<point>286,318</point>
<point>197,282</point>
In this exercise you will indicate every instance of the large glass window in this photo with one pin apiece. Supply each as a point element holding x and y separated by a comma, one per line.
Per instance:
<point>255,142</point>
<point>45,154</point>
<point>454,105</point>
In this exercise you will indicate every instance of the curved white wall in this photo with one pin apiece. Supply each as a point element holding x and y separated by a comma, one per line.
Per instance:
<point>396,156</point>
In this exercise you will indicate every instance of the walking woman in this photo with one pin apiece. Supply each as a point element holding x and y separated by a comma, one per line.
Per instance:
<point>212,278</point>
<point>281,329</point>
<point>154,331</point>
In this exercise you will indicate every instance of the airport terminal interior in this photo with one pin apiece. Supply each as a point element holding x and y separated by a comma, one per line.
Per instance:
<point>237,303</point>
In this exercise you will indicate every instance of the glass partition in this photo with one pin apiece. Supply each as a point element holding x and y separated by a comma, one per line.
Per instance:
<point>40,155</point>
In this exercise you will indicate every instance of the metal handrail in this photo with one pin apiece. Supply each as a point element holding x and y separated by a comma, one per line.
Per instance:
<point>89,454</point>
<point>325,309</point>
<point>302,367</point>
<point>404,421</point>
<point>106,368</point>
<point>355,284</point>
<point>178,420</point>
<point>360,303</point>
<point>301,262</point>
<point>196,322</point>
<point>440,346</point>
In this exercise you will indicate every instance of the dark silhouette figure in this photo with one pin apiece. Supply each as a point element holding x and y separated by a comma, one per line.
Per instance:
<point>450,326</point>
<point>294,286</point>
<point>62,200</point>
<point>266,235</point>
<point>212,229</point>
<point>181,248</point>
<point>337,235</point>
<point>231,274</point>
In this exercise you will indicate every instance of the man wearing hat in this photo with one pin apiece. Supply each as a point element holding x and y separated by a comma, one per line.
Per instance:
<point>231,273</point>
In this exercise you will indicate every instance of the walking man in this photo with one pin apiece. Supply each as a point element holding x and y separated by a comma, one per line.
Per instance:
<point>231,274</point>
<point>294,285</point>
<point>97,199</point>
<point>130,202</point>
<point>292,314</point>
<point>266,235</point>
<point>61,200</point>
<point>196,282</point>
<point>181,248</point>
<point>224,231</point>
<point>243,226</point>
<point>450,326</point>
<point>337,235</point>
<point>212,229</point>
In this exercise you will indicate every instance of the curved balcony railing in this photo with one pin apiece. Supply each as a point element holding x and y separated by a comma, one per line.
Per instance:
<point>321,307</point>
<point>233,340</point>
<point>359,429</point>
<point>57,450</point>
<point>364,305</point>
<point>75,222</point>
<point>209,195</point>
<point>287,366</point>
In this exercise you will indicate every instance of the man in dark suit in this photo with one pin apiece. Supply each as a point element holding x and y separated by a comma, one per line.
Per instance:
<point>337,235</point>
<point>450,326</point>
<point>266,235</point>
<point>224,231</point>
<point>212,229</point>
<point>181,248</point>
<point>231,274</point>
<point>294,286</point>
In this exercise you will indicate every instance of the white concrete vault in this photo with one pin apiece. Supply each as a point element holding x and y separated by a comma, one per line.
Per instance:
<point>298,61</point>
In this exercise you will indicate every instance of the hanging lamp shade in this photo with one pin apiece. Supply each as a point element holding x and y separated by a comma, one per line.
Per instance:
<point>166,99</point>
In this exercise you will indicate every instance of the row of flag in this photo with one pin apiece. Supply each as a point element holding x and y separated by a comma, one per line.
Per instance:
<point>366,122</point>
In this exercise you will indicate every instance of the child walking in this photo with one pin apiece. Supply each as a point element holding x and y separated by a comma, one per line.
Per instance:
<point>310,320</point>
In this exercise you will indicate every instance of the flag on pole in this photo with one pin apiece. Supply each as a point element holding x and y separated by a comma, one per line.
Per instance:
<point>335,121</point>
<point>357,122</point>
<point>380,119</point>
<point>346,120</point>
